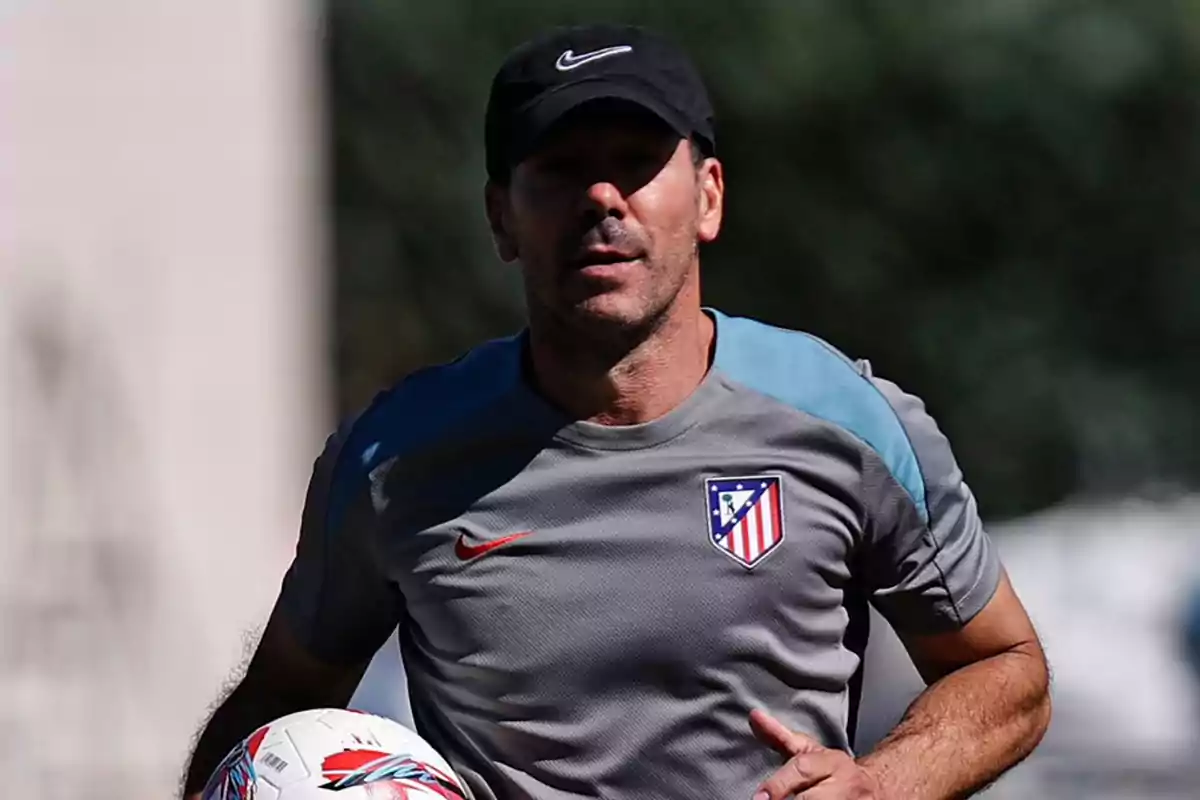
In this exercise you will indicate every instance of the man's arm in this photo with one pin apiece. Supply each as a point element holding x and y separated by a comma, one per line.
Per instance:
<point>282,678</point>
<point>940,583</point>
<point>986,708</point>
<point>936,576</point>
<point>336,607</point>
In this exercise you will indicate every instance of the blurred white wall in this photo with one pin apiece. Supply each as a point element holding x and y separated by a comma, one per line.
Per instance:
<point>161,356</point>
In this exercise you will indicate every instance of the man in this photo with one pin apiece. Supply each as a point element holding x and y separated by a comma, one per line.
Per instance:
<point>630,550</point>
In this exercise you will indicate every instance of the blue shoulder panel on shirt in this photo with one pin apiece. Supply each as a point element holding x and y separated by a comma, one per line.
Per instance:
<point>811,376</point>
<point>418,410</point>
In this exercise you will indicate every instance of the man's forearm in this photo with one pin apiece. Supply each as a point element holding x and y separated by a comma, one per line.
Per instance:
<point>965,730</point>
<point>239,715</point>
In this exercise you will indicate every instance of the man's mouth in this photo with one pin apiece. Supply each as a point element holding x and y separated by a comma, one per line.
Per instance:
<point>603,256</point>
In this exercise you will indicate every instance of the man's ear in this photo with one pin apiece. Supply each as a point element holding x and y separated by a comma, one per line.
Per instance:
<point>711,175</point>
<point>495,198</point>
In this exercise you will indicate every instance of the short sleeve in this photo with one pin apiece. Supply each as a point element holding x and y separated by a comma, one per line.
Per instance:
<point>335,594</point>
<point>930,564</point>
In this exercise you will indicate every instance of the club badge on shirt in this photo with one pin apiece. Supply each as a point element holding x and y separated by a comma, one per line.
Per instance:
<point>745,516</point>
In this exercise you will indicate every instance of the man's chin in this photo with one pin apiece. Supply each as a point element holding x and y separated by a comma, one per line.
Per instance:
<point>603,326</point>
<point>612,325</point>
<point>611,311</point>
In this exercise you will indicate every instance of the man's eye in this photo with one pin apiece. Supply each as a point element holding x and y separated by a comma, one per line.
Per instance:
<point>639,159</point>
<point>559,165</point>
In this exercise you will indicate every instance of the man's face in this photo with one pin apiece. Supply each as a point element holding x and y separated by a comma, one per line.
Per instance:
<point>605,219</point>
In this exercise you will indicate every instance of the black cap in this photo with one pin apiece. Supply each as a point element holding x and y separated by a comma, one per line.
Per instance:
<point>545,78</point>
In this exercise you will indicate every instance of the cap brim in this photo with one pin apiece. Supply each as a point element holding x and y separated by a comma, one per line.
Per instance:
<point>548,111</point>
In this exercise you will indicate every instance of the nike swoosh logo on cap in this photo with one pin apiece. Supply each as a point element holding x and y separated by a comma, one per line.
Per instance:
<point>466,551</point>
<point>569,61</point>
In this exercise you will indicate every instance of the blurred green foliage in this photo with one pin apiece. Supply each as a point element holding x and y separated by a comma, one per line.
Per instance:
<point>995,202</point>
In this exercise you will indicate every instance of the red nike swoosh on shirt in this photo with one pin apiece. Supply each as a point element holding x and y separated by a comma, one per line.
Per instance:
<point>466,551</point>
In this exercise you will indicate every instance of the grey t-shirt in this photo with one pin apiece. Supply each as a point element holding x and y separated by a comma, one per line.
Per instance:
<point>656,582</point>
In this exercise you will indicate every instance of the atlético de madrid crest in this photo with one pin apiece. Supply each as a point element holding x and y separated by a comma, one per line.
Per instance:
<point>745,516</point>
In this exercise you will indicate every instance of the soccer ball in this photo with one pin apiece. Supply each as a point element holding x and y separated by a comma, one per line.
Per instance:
<point>333,754</point>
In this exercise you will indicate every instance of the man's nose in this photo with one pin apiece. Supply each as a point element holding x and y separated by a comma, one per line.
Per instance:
<point>605,198</point>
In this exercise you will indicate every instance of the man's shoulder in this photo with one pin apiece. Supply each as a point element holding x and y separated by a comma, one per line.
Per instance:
<point>808,374</point>
<point>430,401</point>
<point>744,341</point>
<point>795,367</point>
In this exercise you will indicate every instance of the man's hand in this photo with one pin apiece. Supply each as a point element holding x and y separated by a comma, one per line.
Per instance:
<point>812,772</point>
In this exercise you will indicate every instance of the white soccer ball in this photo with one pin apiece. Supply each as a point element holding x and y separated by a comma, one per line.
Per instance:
<point>333,754</point>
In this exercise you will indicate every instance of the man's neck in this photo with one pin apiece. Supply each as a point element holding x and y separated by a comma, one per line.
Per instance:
<point>647,382</point>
